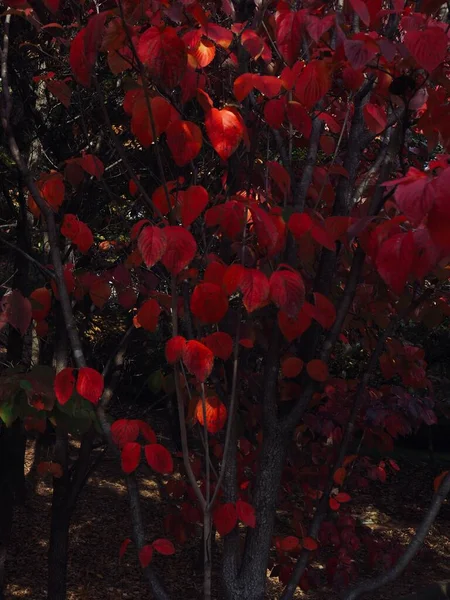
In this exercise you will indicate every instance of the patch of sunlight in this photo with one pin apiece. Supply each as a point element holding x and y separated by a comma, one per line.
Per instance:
<point>17,591</point>
<point>43,489</point>
<point>116,486</point>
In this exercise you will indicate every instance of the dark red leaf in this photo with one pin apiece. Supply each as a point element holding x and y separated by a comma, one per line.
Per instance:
<point>130,456</point>
<point>158,458</point>
<point>225,518</point>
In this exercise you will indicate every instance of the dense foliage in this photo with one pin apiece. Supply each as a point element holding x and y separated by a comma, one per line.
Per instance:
<point>263,189</point>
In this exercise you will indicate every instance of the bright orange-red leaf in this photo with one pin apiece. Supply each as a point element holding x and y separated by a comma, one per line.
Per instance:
<point>181,249</point>
<point>90,384</point>
<point>184,140</point>
<point>225,129</point>
<point>148,315</point>
<point>198,359</point>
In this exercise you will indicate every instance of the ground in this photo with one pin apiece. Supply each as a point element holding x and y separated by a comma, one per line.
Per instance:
<point>101,523</point>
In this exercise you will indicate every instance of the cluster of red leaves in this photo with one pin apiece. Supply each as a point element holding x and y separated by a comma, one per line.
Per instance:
<point>87,382</point>
<point>125,432</point>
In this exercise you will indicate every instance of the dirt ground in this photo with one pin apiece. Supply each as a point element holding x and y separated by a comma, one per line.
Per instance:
<point>101,523</point>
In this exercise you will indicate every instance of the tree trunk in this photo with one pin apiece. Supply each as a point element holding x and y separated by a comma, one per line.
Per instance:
<point>251,581</point>
<point>58,553</point>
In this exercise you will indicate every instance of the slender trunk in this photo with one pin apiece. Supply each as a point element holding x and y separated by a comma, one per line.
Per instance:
<point>251,582</point>
<point>58,554</point>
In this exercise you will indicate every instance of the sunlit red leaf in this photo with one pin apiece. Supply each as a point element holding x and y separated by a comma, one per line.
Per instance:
<point>317,370</point>
<point>146,431</point>
<point>164,54</point>
<point>225,518</point>
<point>198,359</point>
<point>180,250</point>
<point>64,385</point>
<point>184,140</point>
<point>233,278</point>
<point>246,513</point>
<point>287,291</point>
<point>130,457</point>
<point>216,413</point>
<point>148,315</point>
<point>209,303</point>
<point>158,458</point>
<point>225,129</point>
<point>90,384</point>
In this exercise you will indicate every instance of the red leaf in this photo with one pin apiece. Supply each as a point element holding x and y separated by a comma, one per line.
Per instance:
<point>268,85</point>
<point>317,370</point>
<point>360,52</point>
<point>158,458</point>
<point>322,237</point>
<point>164,547</point>
<point>291,367</point>
<point>124,431</point>
<point>64,384</point>
<point>16,310</point>
<point>220,344</point>
<point>279,174</point>
<point>209,303</point>
<point>375,117</point>
<point>310,544</point>
<point>225,129</point>
<point>194,201</point>
<point>414,194</point>
<point>323,312</point>
<point>164,54</point>
<point>255,289</point>
<point>265,229</point>
<point>81,62</point>
<point>130,457</point>
<point>41,302</point>
<point>225,518</point>
<point>289,543</point>
<point>148,315</point>
<point>174,349</point>
<point>339,476</point>
<point>313,83</point>
<point>274,112</point>
<point>233,278</point>
<point>90,384</point>
<point>394,260</point>
<point>299,224</point>
<point>181,249</point>
<point>100,291</point>
<point>317,26</point>
<point>293,328</point>
<point>184,140</point>
<point>438,480</point>
<point>343,497</point>
<point>287,291</point>
<point>243,85</point>
<point>299,118</point>
<point>145,555</point>
<point>334,504</point>
<point>152,243</point>
<point>216,414</point>
<point>439,215</point>
<point>360,8</point>
<point>123,547</point>
<point>288,34</point>
<point>146,431</point>
<point>427,47</point>
<point>246,513</point>
<point>92,165</point>
<point>198,359</point>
